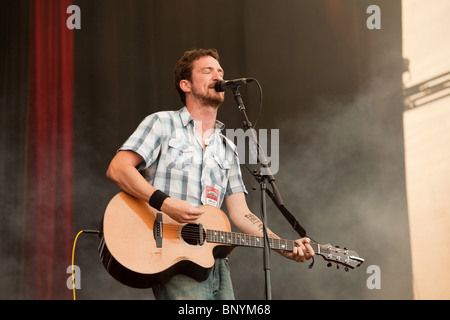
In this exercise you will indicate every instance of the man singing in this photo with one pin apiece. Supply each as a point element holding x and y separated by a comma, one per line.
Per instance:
<point>179,160</point>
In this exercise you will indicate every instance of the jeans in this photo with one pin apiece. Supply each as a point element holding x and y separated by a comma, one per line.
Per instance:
<point>218,286</point>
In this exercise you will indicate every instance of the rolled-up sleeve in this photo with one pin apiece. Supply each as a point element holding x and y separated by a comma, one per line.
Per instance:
<point>235,182</point>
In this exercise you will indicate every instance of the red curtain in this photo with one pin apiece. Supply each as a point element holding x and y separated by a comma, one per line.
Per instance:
<point>49,225</point>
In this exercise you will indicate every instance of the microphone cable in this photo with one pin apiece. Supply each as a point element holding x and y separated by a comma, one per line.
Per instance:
<point>73,255</point>
<point>260,102</point>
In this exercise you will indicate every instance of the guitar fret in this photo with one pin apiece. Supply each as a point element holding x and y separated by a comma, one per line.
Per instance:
<point>242,239</point>
<point>281,244</point>
<point>290,247</point>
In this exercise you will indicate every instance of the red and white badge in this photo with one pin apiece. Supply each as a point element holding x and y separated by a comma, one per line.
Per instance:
<point>212,196</point>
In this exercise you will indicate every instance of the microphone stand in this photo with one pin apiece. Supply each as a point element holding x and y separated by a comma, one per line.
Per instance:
<point>274,195</point>
<point>261,178</point>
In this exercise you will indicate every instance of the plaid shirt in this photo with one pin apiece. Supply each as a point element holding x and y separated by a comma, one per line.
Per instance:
<point>175,162</point>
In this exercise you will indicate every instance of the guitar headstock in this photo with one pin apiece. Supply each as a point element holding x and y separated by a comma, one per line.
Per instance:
<point>348,258</point>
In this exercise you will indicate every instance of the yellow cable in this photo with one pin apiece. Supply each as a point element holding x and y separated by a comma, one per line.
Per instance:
<point>73,257</point>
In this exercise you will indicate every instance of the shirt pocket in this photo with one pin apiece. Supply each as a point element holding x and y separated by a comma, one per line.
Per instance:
<point>222,167</point>
<point>179,154</point>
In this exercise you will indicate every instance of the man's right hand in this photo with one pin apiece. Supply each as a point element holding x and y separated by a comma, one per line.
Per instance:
<point>181,211</point>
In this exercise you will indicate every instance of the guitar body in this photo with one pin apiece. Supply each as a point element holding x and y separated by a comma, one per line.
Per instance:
<point>141,249</point>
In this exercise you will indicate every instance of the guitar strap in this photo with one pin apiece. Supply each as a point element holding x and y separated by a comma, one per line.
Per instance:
<point>289,217</point>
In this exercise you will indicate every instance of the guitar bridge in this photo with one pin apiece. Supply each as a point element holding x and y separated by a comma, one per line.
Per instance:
<point>158,230</point>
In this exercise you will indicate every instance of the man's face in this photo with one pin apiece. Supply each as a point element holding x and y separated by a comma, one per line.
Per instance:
<point>205,73</point>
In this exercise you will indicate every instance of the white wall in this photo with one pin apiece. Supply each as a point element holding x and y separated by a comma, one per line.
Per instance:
<point>426,43</point>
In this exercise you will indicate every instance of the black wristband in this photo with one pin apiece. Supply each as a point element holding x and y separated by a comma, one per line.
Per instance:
<point>157,199</point>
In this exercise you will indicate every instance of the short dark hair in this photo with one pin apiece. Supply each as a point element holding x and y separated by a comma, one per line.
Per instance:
<point>183,69</point>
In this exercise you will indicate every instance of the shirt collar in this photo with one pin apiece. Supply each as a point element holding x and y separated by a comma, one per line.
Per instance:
<point>186,118</point>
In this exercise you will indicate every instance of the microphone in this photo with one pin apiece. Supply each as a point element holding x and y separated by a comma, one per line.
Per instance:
<point>231,84</point>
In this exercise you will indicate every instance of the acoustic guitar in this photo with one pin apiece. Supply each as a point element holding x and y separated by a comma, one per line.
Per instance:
<point>142,248</point>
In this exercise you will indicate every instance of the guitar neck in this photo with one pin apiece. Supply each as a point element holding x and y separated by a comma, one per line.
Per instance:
<point>247,240</point>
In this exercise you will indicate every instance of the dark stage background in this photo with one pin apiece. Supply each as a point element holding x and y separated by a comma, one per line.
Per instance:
<point>331,86</point>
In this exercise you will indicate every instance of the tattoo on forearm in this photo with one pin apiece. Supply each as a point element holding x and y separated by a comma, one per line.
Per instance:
<point>253,219</point>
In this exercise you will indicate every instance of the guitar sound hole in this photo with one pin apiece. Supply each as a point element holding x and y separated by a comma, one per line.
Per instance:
<point>190,234</point>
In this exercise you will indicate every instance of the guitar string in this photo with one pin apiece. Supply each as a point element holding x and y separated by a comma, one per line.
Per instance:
<point>194,231</point>
<point>187,229</point>
<point>191,232</point>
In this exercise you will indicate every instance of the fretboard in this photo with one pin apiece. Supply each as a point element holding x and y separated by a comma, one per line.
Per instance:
<point>247,240</point>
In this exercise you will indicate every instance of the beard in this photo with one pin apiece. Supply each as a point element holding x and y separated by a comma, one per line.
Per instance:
<point>208,99</point>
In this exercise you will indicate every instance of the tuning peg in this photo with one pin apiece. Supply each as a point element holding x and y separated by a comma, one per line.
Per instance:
<point>337,266</point>
<point>346,269</point>
<point>329,264</point>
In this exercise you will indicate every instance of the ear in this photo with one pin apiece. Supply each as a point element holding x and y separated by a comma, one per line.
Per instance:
<point>185,85</point>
